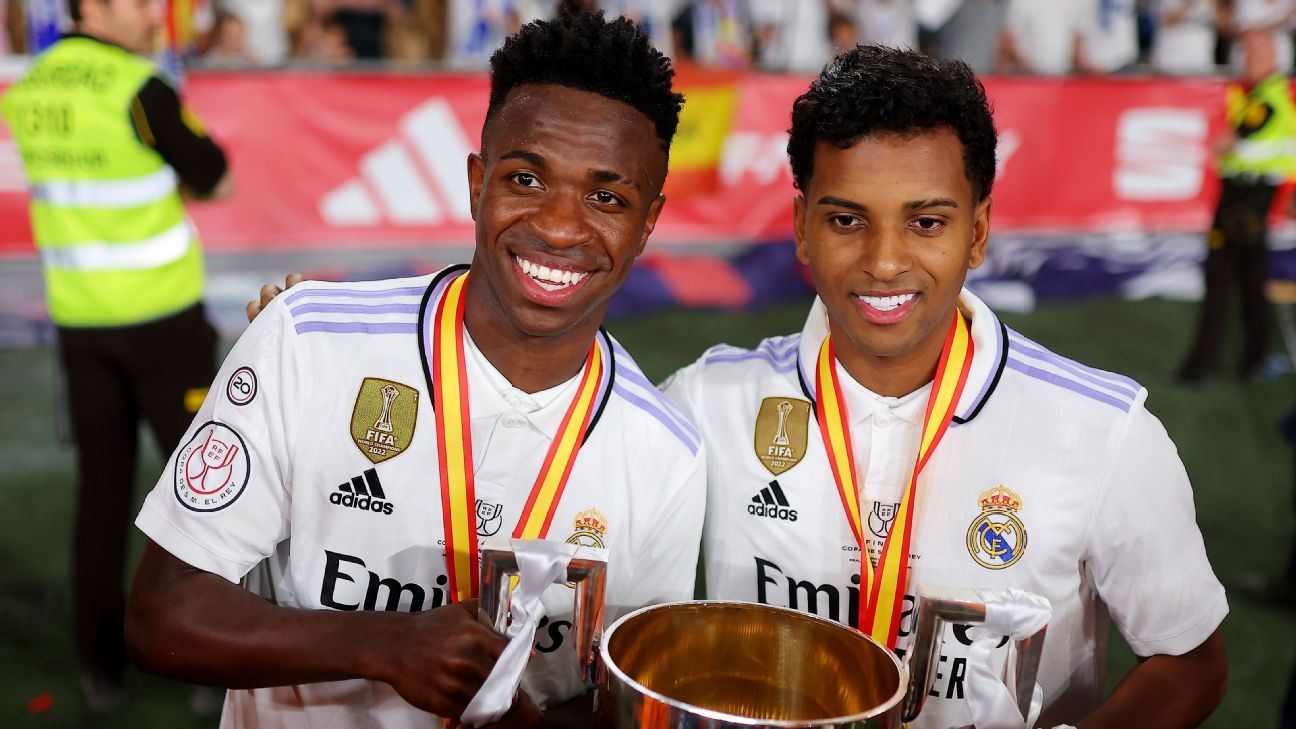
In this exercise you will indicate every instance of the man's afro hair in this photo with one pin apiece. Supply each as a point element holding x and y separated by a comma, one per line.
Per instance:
<point>585,51</point>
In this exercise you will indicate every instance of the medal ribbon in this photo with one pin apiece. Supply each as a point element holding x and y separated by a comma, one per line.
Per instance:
<point>882,589</point>
<point>454,446</point>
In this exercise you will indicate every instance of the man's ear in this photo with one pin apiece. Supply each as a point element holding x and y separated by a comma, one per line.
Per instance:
<point>476,180</point>
<point>654,210</point>
<point>799,229</point>
<point>980,233</point>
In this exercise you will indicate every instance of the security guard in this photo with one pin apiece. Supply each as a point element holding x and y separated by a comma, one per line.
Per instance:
<point>112,155</point>
<point>1256,156</point>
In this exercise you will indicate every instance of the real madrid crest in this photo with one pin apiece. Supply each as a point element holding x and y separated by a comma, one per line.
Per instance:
<point>382,422</point>
<point>997,538</point>
<point>589,528</point>
<point>782,426</point>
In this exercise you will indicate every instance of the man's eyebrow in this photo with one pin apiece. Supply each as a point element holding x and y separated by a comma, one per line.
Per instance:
<point>610,176</point>
<point>937,202</point>
<point>525,156</point>
<point>842,203</point>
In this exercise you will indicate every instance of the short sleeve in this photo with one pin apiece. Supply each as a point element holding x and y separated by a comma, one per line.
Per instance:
<point>222,503</point>
<point>684,389</point>
<point>1143,551</point>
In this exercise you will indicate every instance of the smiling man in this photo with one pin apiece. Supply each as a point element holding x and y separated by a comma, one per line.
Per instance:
<point>362,438</point>
<point>907,439</point>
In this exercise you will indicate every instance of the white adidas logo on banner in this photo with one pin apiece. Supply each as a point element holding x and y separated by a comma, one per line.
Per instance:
<point>416,178</point>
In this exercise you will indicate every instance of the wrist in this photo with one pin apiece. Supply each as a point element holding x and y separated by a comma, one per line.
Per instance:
<point>375,647</point>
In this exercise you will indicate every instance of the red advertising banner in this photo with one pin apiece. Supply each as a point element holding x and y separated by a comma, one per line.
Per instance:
<point>368,159</point>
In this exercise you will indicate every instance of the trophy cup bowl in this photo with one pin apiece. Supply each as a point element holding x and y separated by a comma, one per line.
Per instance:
<point>717,665</point>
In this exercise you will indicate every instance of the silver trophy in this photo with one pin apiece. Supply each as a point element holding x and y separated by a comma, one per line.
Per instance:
<point>586,574</point>
<point>733,665</point>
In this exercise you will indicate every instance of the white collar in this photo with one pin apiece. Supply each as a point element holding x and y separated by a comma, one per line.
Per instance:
<point>988,357</point>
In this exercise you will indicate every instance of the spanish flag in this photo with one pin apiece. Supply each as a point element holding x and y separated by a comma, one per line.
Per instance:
<point>710,100</point>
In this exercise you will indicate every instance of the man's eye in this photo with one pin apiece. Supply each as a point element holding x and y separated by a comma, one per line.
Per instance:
<point>525,179</point>
<point>844,221</point>
<point>603,197</point>
<point>929,224</point>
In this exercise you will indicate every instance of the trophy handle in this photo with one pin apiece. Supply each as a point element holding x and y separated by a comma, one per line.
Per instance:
<point>586,574</point>
<point>934,612</point>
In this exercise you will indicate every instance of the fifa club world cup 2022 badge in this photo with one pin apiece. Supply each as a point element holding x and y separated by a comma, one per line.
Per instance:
<point>382,422</point>
<point>997,538</point>
<point>782,426</point>
<point>212,468</point>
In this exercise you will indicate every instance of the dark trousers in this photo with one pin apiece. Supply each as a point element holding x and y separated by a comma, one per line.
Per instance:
<point>1237,256</point>
<point>114,377</point>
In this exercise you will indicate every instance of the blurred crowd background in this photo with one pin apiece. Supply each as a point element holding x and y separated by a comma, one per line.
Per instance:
<point>1183,37</point>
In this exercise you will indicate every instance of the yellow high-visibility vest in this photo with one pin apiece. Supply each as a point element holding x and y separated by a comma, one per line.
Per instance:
<point>106,212</point>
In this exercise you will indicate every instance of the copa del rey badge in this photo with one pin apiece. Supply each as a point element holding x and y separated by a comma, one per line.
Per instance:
<point>382,422</point>
<point>211,469</point>
<point>782,426</point>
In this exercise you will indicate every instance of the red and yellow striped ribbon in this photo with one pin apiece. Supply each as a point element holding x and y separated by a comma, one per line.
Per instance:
<point>882,589</point>
<point>454,446</point>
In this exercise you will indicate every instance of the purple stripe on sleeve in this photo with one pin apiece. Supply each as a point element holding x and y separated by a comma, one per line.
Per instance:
<point>328,308</point>
<point>633,376</point>
<point>780,365</point>
<point>353,293</point>
<point>1064,383</point>
<point>1117,383</point>
<point>628,371</point>
<point>356,327</point>
<point>653,410</point>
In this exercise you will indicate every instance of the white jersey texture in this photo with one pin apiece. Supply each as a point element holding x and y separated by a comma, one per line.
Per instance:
<point>1102,516</point>
<point>286,470</point>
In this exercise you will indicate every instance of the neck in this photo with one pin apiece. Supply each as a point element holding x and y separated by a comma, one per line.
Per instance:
<point>529,363</point>
<point>894,375</point>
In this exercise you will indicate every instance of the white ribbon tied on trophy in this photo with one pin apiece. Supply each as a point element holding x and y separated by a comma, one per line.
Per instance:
<point>540,564</point>
<point>1015,614</point>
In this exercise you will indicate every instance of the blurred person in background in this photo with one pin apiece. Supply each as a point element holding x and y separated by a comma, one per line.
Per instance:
<point>1255,156</point>
<point>475,28</point>
<point>792,35</point>
<point>363,21</point>
<point>842,32</point>
<point>264,29</point>
<point>889,23</point>
<point>1273,17</point>
<point>653,17</point>
<point>715,33</point>
<point>971,34</point>
<point>1107,36</point>
<point>111,155</point>
<point>229,41</point>
<point>1039,37</point>
<point>324,40</point>
<point>1183,43</point>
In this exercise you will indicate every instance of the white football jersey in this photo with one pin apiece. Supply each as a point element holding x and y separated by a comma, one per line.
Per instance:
<point>1052,478</point>
<point>315,457</point>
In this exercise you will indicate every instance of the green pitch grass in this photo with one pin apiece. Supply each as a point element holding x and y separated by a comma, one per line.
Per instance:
<point>1241,469</point>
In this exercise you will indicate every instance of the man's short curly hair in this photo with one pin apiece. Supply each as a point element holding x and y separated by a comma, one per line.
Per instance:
<point>875,90</point>
<point>585,51</point>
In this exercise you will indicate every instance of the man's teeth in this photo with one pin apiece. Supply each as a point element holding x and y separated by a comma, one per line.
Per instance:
<point>887,303</point>
<point>550,279</point>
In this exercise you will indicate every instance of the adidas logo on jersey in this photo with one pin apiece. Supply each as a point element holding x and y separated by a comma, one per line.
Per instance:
<point>772,503</point>
<point>364,493</point>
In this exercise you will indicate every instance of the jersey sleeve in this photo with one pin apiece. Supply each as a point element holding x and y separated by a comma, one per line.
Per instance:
<point>222,503</point>
<point>684,389</point>
<point>164,123</point>
<point>1143,551</point>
